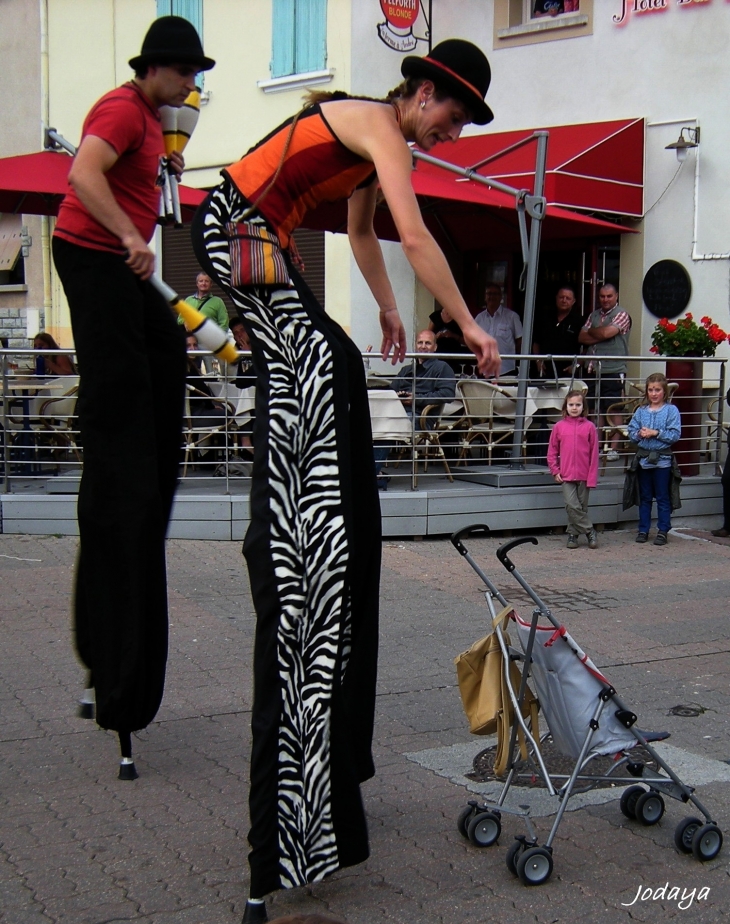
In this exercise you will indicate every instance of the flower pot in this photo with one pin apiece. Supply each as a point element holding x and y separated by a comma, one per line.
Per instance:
<point>688,373</point>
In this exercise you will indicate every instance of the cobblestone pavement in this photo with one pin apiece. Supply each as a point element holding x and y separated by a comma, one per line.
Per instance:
<point>80,847</point>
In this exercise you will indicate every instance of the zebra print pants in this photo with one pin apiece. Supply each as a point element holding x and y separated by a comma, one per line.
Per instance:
<point>313,554</point>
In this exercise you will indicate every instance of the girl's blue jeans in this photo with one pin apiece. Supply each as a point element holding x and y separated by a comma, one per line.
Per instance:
<point>654,483</point>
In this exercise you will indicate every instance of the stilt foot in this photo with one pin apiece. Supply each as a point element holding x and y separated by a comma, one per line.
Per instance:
<point>127,770</point>
<point>255,913</point>
<point>86,704</point>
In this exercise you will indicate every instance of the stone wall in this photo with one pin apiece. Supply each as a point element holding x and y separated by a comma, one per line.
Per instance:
<point>13,326</point>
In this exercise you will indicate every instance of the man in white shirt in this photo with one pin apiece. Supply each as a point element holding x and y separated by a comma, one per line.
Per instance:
<point>503,324</point>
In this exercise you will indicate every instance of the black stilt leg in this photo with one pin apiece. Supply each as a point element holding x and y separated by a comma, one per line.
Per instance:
<point>86,703</point>
<point>127,770</point>
<point>255,913</point>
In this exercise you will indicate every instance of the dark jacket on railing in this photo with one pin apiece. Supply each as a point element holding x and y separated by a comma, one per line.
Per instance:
<point>631,481</point>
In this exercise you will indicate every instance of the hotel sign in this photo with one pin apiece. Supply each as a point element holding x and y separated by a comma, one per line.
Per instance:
<point>640,7</point>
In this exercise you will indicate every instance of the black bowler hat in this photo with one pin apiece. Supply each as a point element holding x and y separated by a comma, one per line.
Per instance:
<point>172,40</point>
<point>459,68</point>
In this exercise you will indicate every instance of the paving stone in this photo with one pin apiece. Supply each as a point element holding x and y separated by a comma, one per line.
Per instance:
<point>77,846</point>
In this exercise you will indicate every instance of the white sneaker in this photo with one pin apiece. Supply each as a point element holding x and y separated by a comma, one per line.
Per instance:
<point>612,455</point>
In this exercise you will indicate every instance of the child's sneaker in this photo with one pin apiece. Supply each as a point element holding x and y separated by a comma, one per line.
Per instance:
<point>661,539</point>
<point>572,542</point>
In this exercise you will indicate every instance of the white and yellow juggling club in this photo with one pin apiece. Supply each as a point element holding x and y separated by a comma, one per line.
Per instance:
<point>210,336</point>
<point>168,118</point>
<point>177,127</point>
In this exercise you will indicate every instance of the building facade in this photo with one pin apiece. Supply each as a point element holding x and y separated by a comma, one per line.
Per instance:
<point>557,64</point>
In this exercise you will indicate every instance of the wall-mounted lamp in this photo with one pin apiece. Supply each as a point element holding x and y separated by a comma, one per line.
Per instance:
<point>682,144</point>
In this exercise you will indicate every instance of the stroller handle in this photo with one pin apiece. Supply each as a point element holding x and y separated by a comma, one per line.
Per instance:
<point>502,551</point>
<point>473,530</point>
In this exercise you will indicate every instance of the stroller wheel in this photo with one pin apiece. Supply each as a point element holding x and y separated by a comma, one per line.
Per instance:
<point>684,832</point>
<point>515,849</point>
<point>535,866</point>
<point>649,808</point>
<point>462,822</point>
<point>629,799</point>
<point>484,829</point>
<point>707,842</point>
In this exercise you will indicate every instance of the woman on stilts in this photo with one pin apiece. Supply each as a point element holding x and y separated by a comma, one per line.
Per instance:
<point>313,546</point>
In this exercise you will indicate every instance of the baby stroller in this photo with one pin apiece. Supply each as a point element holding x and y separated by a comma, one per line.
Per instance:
<point>586,719</point>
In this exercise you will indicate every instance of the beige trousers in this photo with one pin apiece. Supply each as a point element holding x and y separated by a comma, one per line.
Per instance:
<point>575,494</point>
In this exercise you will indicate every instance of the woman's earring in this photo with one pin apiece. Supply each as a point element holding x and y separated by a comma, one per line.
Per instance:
<point>423,104</point>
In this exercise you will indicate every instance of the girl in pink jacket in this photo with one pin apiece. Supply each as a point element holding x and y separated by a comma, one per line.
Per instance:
<point>573,461</point>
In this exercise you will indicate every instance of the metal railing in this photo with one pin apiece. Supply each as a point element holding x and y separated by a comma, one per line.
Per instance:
<point>441,433</point>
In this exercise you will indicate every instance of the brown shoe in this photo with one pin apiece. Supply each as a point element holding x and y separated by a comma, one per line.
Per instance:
<point>720,533</point>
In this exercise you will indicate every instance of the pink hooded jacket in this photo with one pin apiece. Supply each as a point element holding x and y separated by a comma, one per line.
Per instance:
<point>573,450</point>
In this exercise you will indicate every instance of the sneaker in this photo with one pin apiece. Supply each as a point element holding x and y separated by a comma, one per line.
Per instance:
<point>661,539</point>
<point>612,456</point>
<point>642,537</point>
<point>592,539</point>
<point>572,542</point>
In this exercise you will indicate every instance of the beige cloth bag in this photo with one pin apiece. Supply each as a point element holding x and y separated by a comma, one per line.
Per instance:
<point>484,693</point>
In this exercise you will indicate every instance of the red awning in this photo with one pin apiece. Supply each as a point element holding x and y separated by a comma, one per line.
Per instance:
<point>35,184</point>
<point>597,166</point>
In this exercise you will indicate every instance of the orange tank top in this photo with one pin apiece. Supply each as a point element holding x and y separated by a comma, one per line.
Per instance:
<point>317,168</point>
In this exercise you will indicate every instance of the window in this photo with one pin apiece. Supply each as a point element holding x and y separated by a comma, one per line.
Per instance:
<point>192,10</point>
<point>12,265</point>
<point>537,9</point>
<point>520,22</point>
<point>299,37</point>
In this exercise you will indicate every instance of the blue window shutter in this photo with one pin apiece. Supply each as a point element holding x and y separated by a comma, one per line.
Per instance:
<point>282,43</point>
<point>192,10</point>
<point>311,30</point>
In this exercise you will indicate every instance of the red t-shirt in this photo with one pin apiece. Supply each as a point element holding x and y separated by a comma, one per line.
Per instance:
<point>127,120</point>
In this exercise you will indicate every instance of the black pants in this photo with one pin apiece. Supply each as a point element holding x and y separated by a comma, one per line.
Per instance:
<point>726,490</point>
<point>132,362</point>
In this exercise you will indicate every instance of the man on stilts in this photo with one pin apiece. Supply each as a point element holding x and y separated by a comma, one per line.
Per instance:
<point>131,355</point>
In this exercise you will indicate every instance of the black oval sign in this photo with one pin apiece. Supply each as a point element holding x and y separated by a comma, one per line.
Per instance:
<point>667,289</point>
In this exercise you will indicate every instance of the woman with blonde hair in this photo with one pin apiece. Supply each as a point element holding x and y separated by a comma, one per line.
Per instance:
<point>655,428</point>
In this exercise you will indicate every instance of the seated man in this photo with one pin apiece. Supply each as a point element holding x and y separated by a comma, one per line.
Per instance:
<point>435,381</point>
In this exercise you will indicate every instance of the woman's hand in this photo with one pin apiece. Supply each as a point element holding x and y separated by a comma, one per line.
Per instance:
<point>558,478</point>
<point>485,349</point>
<point>394,336</point>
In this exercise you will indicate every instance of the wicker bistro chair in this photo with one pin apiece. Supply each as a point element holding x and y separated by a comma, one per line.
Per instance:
<point>58,423</point>
<point>436,420</point>
<point>45,419</point>
<point>199,436</point>
<point>489,415</point>
<point>715,433</point>
<point>624,410</point>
